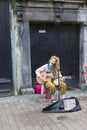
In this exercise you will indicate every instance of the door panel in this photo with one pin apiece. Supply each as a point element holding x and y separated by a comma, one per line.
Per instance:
<point>5,50</point>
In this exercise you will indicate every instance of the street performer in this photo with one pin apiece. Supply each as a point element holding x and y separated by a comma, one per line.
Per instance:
<point>57,80</point>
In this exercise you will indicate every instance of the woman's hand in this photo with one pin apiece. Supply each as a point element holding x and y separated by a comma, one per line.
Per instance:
<point>62,78</point>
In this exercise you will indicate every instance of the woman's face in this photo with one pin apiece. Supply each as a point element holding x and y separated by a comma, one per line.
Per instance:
<point>52,61</point>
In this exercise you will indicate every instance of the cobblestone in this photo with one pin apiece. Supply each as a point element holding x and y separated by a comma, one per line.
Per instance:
<point>25,113</point>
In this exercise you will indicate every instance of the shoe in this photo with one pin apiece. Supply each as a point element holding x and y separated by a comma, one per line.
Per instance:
<point>62,96</point>
<point>53,101</point>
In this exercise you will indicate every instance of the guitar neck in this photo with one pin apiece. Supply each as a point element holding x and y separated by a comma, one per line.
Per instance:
<point>54,77</point>
<point>66,77</point>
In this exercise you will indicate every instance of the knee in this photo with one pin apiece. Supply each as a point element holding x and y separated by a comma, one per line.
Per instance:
<point>63,85</point>
<point>50,86</point>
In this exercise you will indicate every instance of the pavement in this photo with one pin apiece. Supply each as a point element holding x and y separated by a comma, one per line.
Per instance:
<point>24,112</point>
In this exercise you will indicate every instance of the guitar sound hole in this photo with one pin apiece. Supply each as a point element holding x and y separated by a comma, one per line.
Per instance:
<point>47,77</point>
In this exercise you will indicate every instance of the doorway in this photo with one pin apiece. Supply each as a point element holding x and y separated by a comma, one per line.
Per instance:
<point>61,40</point>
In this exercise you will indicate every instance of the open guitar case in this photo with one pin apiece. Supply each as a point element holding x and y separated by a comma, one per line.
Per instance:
<point>59,107</point>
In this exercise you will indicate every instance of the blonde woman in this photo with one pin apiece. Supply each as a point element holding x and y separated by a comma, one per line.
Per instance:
<point>53,67</point>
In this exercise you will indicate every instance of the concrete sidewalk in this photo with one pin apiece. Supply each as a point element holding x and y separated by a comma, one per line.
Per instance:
<point>25,113</point>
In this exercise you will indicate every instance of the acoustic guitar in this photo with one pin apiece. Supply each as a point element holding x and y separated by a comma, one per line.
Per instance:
<point>48,77</point>
<point>44,77</point>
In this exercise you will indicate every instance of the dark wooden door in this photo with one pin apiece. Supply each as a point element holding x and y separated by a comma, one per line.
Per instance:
<point>60,40</point>
<point>5,50</point>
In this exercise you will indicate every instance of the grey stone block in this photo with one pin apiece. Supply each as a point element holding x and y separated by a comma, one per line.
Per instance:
<point>83,86</point>
<point>25,91</point>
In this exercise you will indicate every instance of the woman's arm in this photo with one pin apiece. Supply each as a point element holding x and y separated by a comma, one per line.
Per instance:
<point>61,77</point>
<point>40,69</point>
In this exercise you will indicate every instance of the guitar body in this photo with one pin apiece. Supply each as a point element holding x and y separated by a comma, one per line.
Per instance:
<point>46,77</point>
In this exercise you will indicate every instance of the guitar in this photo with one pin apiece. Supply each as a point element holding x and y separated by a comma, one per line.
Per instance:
<point>48,77</point>
<point>45,77</point>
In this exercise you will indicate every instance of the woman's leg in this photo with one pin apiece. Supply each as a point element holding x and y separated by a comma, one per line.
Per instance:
<point>63,89</point>
<point>51,87</point>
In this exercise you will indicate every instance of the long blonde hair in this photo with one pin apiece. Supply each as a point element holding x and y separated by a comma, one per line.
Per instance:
<point>56,67</point>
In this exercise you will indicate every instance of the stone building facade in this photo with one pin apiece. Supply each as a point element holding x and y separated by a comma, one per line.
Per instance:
<point>45,11</point>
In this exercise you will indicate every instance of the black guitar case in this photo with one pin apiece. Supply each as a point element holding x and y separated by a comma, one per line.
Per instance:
<point>59,107</point>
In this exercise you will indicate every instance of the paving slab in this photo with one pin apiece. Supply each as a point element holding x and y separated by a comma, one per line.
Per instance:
<point>24,112</point>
